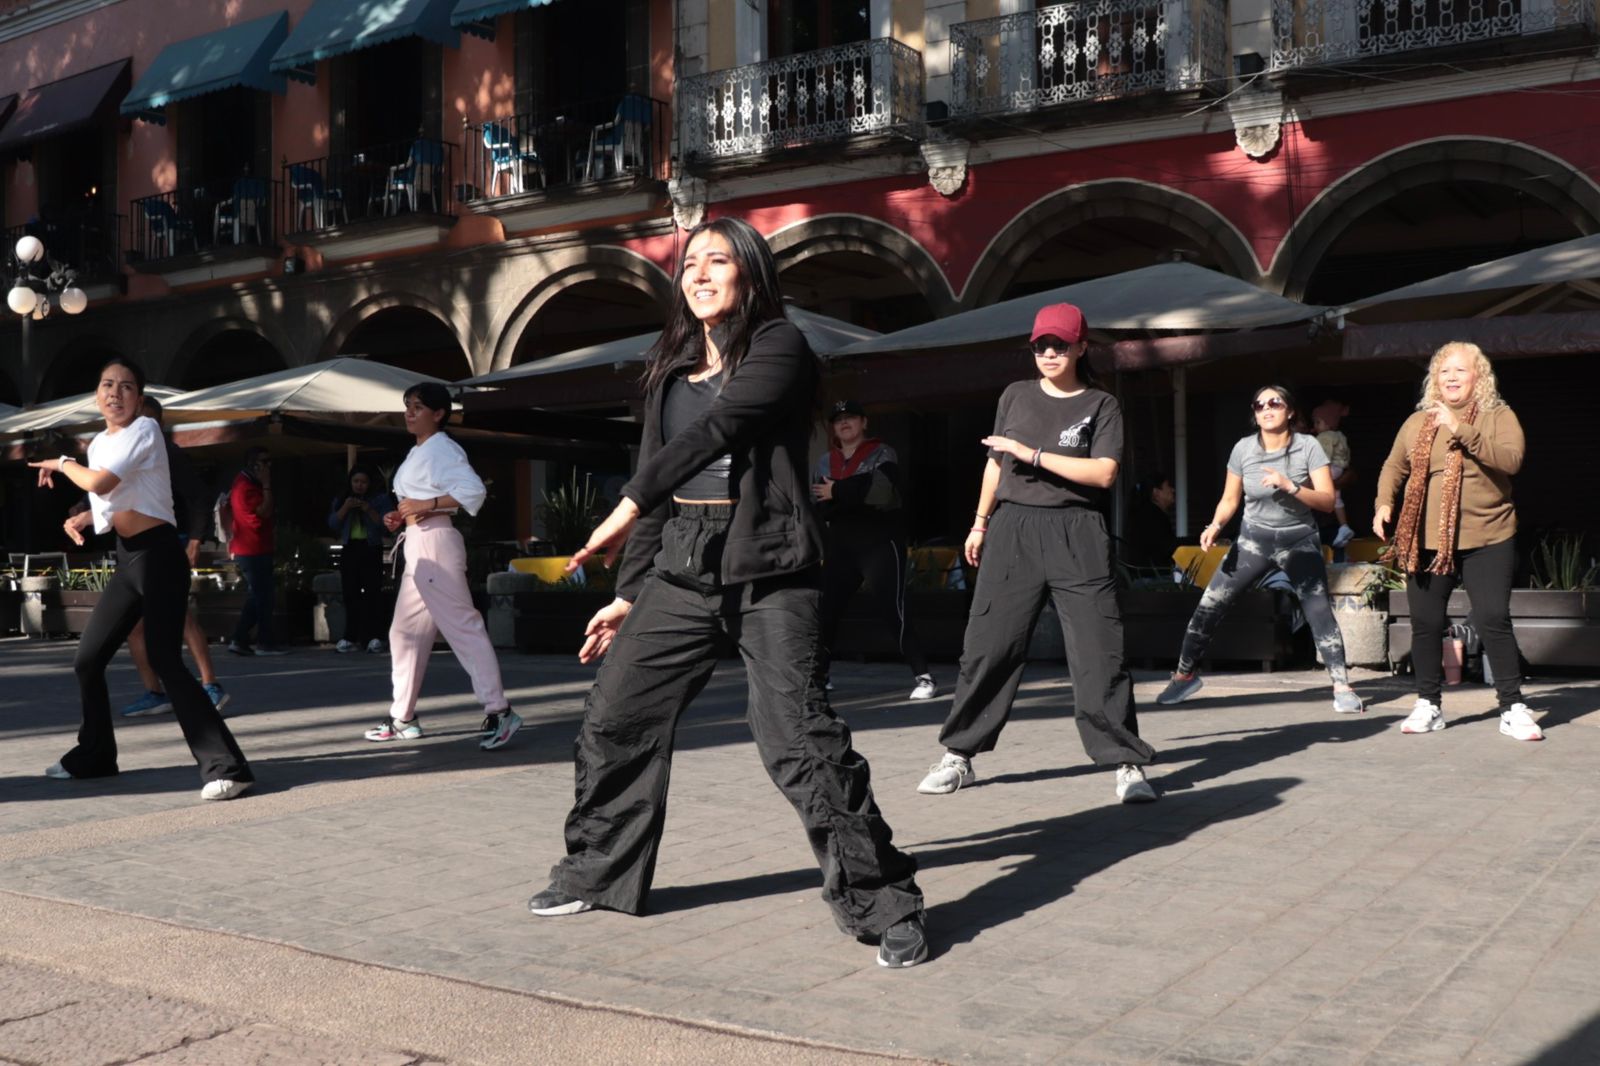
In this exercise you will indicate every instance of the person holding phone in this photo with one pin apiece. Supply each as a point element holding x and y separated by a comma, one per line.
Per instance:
<point>252,545</point>
<point>1281,477</point>
<point>357,519</point>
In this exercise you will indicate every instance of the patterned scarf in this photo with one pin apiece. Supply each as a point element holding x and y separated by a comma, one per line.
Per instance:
<point>1407,551</point>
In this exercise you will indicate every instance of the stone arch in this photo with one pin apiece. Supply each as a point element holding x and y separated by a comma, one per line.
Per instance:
<point>1065,209</point>
<point>340,332</point>
<point>1547,178</point>
<point>825,234</point>
<point>183,362</point>
<point>581,266</point>
<point>73,368</point>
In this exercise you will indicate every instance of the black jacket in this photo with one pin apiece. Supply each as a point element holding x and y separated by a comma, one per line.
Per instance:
<point>763,418</point>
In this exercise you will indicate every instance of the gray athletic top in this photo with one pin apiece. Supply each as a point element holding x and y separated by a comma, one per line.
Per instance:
<point>1274,508</point>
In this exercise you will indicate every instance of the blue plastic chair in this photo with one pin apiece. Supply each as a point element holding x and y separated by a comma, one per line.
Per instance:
<point>313,196</point>
<point>506,158</point>
<point>420,173</point>
<point>242,211</point>
<point>623,137</point>
<point>166,226</point>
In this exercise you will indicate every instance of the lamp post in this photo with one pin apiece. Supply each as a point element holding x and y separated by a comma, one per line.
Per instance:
<point>35,277</point>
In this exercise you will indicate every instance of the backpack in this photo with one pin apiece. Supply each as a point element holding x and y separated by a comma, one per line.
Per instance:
<point>222,517</point>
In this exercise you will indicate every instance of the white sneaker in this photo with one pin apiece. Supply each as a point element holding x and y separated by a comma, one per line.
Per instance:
<point>1131,785</point>
<point>1518,724</point>
<point>224,788</point>
<point>375,646</point>
<point>925,688</point>
<point>57,771</point>
<point>1424,718</point>
<point>345,646</point>
<point>947,775</point>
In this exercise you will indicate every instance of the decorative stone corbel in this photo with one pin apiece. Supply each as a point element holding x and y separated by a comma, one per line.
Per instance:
<point>946,160</point>
<point>1257,121</point>
<point>689,198</point>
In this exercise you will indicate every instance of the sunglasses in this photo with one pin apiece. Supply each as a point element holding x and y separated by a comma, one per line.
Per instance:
<point>1044,344</point>
<point>1272,403</point>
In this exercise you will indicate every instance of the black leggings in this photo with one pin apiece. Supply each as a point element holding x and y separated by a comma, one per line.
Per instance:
<point>151,583</point>
<point>1298,553</point>
<point>857,557</point>
<point>1486,573</point>
<point>662,657</point>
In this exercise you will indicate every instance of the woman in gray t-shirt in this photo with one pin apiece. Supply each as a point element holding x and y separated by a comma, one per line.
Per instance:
<point>1281,477</point>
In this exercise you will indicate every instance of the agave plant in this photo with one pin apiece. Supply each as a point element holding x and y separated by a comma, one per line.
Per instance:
<point>1560,563</point>
<point>569,512</point>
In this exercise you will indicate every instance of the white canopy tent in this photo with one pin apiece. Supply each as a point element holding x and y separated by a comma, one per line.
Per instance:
<point>826,335</point>
<point>69,412</point>
<point>1534,281</point>
<point>346,388</point>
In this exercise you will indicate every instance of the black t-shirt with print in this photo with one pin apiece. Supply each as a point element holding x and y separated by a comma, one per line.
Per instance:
<point>1087,425</point>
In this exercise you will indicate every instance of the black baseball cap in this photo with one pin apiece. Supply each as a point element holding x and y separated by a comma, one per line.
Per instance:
<point>846,407</point>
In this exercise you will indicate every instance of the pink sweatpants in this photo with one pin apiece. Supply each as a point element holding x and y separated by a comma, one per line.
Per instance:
<point>434,599</point>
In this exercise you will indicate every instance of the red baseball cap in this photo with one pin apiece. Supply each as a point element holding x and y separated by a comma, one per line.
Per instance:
<point>1059,320</point>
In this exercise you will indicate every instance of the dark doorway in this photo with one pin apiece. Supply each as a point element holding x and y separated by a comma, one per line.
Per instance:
<point>411,339</point>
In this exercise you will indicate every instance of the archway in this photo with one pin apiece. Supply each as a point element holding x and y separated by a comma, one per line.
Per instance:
<point>589,312</point>
<point>1101,228</point>
<point>410,338</point>
<point>230,354</point>
<point>1428,209</point>
<point>860,270</point>
<point>75,369</point>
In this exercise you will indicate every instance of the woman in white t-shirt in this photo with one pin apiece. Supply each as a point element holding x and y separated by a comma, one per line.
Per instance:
<point>130,491</point>
<point>433,483</point>
<point>1281,477</point>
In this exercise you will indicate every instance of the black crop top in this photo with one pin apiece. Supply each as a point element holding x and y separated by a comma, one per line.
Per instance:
<point>684,402</point>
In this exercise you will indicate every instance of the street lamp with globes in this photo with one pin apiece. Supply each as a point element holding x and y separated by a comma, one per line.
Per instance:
<point>30,291</point>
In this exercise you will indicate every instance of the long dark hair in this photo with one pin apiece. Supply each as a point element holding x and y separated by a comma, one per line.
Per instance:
<point>1290,410</point>
<point>760,300</point>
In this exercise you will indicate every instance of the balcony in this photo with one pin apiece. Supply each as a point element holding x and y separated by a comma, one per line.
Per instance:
<point>1309,33</point>
<point>1094,50</point>
<point>221,228</point>
<point>827,96</point>
<point>572,148</point>
<point>376,199</point>
<point>85,241</point>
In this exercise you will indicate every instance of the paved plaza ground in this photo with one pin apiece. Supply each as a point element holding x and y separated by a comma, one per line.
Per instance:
<point>1311,889</point>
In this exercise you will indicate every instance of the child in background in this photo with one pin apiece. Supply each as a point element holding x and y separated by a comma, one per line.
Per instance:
<point>1325,421</point>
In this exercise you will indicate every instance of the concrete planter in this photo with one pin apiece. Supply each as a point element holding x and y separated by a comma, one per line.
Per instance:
<point>1365,627</point>
<point>1255,630</point>
<point>1554,627</point>
<point>42,614</point>
<point>10,610</point>
<point>939,615</point>
<point>327,613</point>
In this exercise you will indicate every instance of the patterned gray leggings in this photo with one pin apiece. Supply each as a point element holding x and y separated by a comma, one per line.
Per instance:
<point>1298,553</point>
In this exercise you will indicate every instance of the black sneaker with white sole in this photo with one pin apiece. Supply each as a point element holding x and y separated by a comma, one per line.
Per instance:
<point>905,943</point>
<point>553,902</point>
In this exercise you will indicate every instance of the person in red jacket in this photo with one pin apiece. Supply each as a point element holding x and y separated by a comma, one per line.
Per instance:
<point>251,545</point>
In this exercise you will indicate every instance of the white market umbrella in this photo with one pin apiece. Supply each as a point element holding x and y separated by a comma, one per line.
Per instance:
<point>66,413</point>
<point>343,388</point>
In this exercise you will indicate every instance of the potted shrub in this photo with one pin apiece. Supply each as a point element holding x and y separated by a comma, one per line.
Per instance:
<point>80,594</point>
<point>1360,595</point>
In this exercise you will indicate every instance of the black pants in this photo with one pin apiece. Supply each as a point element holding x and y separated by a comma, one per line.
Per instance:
<point>1486,573</point>
<point>361,577</point>
<point>877,560</point>
<point>662,657</point>
<point>1298,553</point>
<point>260,587</point>
<point>1031,553</point>
<point>151,582</point>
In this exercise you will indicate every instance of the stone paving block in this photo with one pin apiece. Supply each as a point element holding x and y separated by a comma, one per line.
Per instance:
<point>266,1045</point>
<point>107,1026</point>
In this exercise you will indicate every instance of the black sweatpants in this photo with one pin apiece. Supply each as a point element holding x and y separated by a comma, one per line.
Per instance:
<point>1031,553</point>
<point>876,559</point>
<point>361,580</point>
<point>151,582</point>
<point>1486,573</point>
<point>661,659</point>
<point>1298,553</point>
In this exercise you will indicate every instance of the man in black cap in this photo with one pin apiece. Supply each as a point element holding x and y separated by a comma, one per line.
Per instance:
<point>857,489</point>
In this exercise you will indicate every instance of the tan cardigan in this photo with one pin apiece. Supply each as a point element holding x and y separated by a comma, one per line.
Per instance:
<point>1494,451</point>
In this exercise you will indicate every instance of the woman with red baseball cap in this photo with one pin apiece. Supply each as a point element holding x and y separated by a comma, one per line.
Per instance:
<point>1040,531</point>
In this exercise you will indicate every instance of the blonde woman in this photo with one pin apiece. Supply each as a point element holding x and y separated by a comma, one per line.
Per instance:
<point>1455,457</point>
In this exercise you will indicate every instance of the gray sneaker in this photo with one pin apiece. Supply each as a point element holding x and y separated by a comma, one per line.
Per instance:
<point>947,775</point>
<point>1132,787</point>
<point>1180,688</point>
<point>1345,701</point>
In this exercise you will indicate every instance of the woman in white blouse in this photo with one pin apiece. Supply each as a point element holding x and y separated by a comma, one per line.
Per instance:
<point>434,482</point>
<point>130,491</point>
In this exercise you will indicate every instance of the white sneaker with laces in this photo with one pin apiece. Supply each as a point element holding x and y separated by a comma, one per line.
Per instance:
<point>925,689</point>
<point>1131,785</point>
<point>947,775</point>
<point>57,771</point>
<point>224,788</point>
<point>1517,723</point>
<point>1424,718</point>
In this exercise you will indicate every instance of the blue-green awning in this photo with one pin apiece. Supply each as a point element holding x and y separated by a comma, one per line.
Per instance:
<point>477,16</point>
<point>237,56</point>
<point>338,27</point>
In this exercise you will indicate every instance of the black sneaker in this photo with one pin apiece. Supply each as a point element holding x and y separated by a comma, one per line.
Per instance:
<point>903,944</point>
<point>552,902</point>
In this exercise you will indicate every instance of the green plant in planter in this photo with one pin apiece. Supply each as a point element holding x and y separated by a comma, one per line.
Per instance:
<point>1388,578</point>
<point>569,512</point>
<point>1559,563</point>
<point>88,579</point>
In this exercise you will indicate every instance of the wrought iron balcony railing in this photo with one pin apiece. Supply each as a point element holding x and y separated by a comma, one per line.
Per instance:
<point>568,144</point>
<point>1089,50</point>
<point>375,182</point>
<point>868,87</point>
<point>1313,32</point>
<point>87,241</point>
<point>242,212</point>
